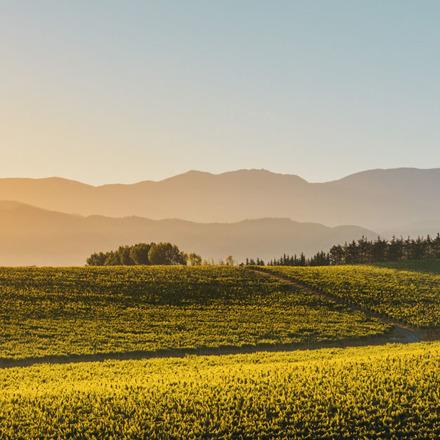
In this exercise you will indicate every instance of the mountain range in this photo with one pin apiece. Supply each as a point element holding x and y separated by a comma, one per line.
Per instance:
<point>35,236</point>
<point>391,201</point>
<point>245,213</point>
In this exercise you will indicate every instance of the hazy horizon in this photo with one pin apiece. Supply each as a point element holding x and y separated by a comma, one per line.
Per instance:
<point>315,92</point>
<point>216,174</point>
<point>102,92</point>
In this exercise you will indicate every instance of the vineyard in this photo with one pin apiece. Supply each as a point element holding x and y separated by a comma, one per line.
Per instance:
<point>408,297</point>
<point>90,310</point>
<point>427,266</point>
<point>387,392</point>
<point>376,392</point>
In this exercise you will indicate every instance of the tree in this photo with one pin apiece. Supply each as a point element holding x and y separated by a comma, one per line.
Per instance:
<point>395,249</point>
<point>124,255</point>
<point>112,259</point>
<point>139,253</point>
<point>229,261</point>
<point>364,250</point>
<point>194,259</point>
<point>351,253</point>
<point>435,253</point>
<point>337,255</point>
<point>378,251</point>
<point>96,259</point>
<point>320,259</point>
<point>166,253</point>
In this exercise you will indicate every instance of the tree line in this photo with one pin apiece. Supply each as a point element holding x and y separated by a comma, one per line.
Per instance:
<point>144,254</point>
<point>363,251</point>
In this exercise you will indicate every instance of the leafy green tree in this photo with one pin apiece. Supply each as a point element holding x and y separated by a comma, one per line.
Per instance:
<point>395,249</point>
<point>166,253</point>
<point>320,259</point>
<point>124,255</point>
<point>364,250</point>
<point>139,253</point>
<point>435,246</point>
<point>337,255</point>
<point>194,259</point>
<point>351,253</point>
<point>96,259</point>
<point>378,250</point>
<point>112,259</point>
<point>229,260</point>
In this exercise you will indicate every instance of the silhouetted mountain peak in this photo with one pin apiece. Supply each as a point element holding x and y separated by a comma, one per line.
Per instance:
<point>377,199</point>
<point>389,174</point>
<point>32,235</point>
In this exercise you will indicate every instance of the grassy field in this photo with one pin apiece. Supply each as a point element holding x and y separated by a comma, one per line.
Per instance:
<point>426,266</point>
<point>376,392</point>
<point>408,297</point>
<point>83,311</point>
<point>385,392</point>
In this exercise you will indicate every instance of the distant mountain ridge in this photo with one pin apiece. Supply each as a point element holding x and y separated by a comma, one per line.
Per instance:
<point>34,236</point>
<point>377,199</point>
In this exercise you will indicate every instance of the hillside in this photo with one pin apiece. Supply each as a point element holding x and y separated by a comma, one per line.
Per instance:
<point>388,392</point>
<point>394,200</point>
<point>34,236</point>
<point>410,298</point>
<point>88,311</point>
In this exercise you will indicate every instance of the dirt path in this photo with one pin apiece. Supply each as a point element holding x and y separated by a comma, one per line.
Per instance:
<point>396,335</point>
<point>402,333</point>
<point>408,335</point>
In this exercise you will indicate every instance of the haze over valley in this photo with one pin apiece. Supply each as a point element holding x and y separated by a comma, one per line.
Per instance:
<point>245,213</point>
<point>34,236</point>
<point>391,200</point>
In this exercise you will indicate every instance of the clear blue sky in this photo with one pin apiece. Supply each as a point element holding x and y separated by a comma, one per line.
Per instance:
<point>121,91</point>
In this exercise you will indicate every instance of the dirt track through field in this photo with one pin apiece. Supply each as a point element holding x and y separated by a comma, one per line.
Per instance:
<point>396,335</point>
<point>406,333</point>
<point>399,334</point>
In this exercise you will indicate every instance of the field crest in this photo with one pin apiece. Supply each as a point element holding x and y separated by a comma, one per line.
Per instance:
<point>71,312</point>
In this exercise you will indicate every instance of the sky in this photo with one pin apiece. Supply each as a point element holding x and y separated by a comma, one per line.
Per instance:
<point>106,91</point>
